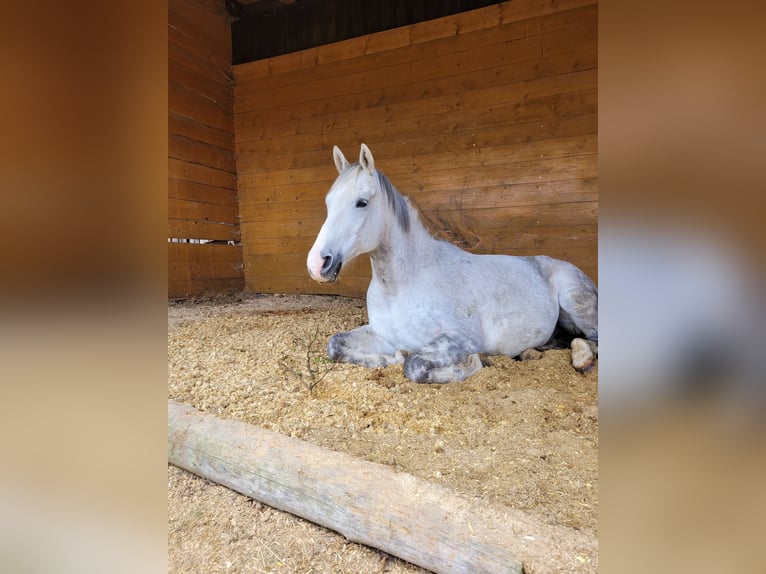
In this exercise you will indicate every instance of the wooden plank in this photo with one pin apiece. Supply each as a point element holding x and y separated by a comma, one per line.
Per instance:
<point>317,166</point>
<point>185,171</point>
<point>213,87</point>
<point>198,211</point>
<point>294,264</point>
<point>204,252</point>
<point>203,193</point>
<point>347,287</point>
<point>194,229</point>
<point>375,126</point>
<point>257,211</point>
<point>261,245</point>
<point>283,121</point>
<point>199,269</point>
<point>356,286</point>
<point>184,50</point>
<point>279,229</point>
<point>193,105</point>
<point>258,245</point>
<point>192,129</point>
<point>473,222</point>
<point>407,139</point>
<point>495,197</point>
<point>512,76</point>
<point>528,140</point>
<point>488,197</point>
<point>208,32</point>
<point>523,9</point>
<point>193,151</point>
<point>550,167</point>
<point>188,288</point>
<point>571,38</point>
<point>204,270</point>
<point>468,222</point>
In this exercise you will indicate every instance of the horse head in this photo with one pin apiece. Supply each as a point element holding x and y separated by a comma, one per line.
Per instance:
<point>355,216</point>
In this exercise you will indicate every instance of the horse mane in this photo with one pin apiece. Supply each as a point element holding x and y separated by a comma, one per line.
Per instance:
<point>396,201</point>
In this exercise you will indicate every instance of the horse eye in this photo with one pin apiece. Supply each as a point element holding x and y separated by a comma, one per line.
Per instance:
<point>361,203</point>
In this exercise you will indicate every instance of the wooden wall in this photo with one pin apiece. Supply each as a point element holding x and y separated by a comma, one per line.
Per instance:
<point>202,182</point>
<point>487,120</point>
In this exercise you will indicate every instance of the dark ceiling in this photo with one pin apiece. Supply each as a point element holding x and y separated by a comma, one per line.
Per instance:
<point>265,28</point>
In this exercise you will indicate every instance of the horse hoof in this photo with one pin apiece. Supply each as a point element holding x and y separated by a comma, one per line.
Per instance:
<point>583,358</point>
<point>530,355</point>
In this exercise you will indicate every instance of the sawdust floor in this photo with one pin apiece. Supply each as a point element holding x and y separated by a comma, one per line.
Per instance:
<point>521,435</point>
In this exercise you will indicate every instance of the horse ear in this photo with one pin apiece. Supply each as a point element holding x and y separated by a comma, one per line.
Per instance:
<point>365,159</point>
<point>340,160</point>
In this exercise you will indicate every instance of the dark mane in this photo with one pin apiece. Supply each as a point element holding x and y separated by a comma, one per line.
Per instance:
<point>396,201</point>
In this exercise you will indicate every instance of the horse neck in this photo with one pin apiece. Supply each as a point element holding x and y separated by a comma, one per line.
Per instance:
<point>401,252</point>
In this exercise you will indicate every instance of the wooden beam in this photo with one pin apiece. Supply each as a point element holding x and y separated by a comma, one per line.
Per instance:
<point>413,519</point>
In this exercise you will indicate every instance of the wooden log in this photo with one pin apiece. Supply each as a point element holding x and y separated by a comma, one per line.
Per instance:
<point>368,503</point>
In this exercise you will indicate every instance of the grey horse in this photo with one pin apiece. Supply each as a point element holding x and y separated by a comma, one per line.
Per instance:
<point>430,304</point>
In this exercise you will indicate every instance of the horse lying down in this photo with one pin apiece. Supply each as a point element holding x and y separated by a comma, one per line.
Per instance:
<point>433,306</point>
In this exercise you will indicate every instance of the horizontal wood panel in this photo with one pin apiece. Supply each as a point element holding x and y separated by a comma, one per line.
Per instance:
<point>513,83</point>
<point>497,116</point>
<point>186,171</point>
<point>346,287</point>
<point>288,121</point>
<point>199,211</point>
<point>288,274</point>
<point>547,169</point>
<point>491,197</point>
<point>204,252</point>
<point>178,189</point>
<point>191,104</point>
<point>412,142</point>
<point>191,150</point>
<point>196,270</point>
<point>189,288</point>
<point>196,80</point>
<point>203,32</point>
<point>196,229</point>
<point>211,269</point>
<point>464,221</point>
<point>192,129</point>
<point>409,164</point>
<point>491,129</point>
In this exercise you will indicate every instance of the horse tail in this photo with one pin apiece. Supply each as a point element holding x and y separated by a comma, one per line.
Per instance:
<point>577,297</point>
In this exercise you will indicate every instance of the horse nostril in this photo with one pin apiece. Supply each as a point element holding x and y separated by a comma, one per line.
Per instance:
<point>328,259</point>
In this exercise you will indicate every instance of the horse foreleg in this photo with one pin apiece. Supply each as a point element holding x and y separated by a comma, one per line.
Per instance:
<point>444,360</point>
<point>362,346</point>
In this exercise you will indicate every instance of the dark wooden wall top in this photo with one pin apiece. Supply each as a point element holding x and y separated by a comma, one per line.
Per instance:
<point>486,119</point>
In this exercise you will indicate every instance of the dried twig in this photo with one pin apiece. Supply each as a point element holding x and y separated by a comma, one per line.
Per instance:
<point>318,364</point>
